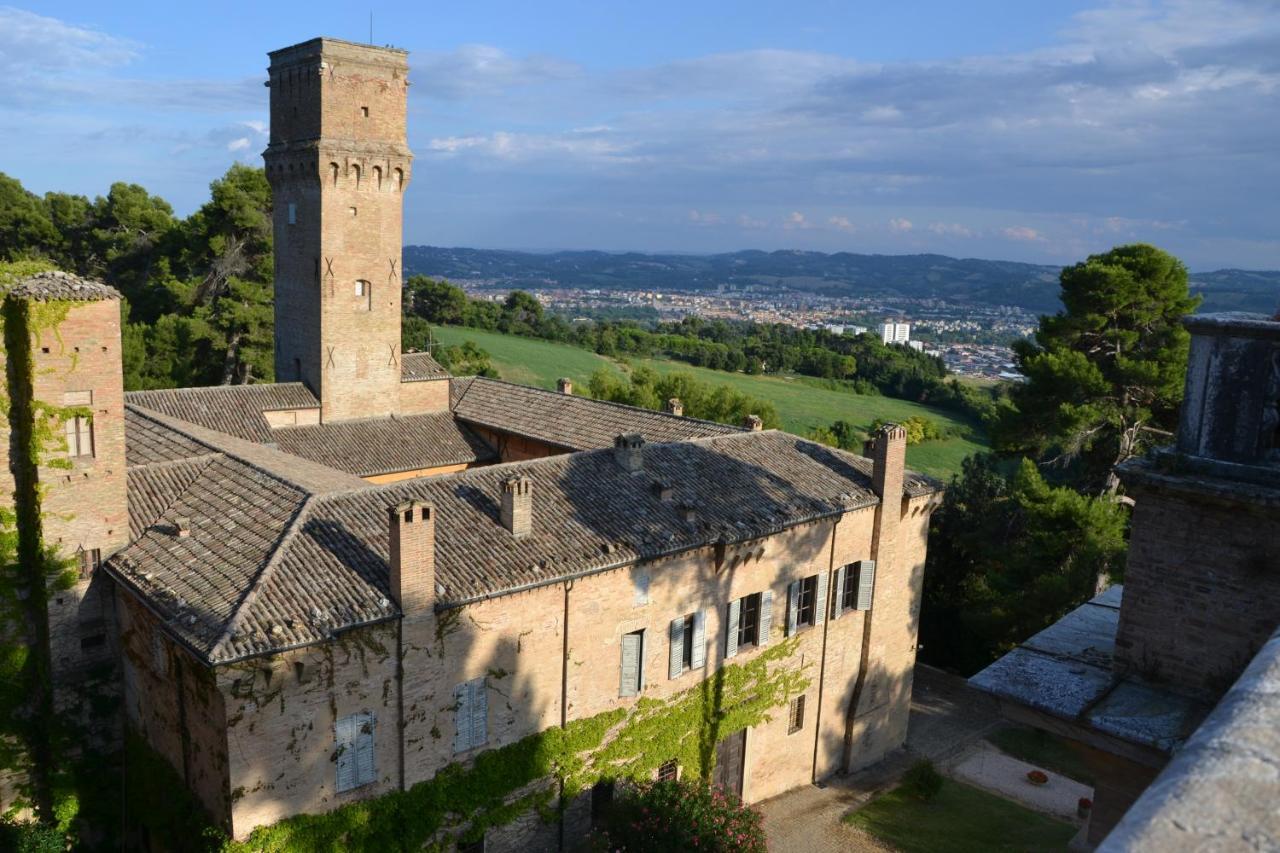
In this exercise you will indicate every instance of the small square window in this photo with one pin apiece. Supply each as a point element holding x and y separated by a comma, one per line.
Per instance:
<point>669,771</point>
<point>364,111</point>
<point>795,718</point>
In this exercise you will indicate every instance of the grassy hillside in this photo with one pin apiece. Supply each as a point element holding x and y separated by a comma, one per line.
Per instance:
<point>802,404</point>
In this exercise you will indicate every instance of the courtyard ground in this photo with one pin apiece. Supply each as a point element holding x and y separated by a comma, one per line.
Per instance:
<point>949,725</point>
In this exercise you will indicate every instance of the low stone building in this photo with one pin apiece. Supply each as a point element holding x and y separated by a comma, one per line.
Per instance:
<point>375,583</point>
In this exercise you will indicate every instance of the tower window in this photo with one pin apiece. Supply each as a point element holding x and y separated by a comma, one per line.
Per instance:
<point>364,111</point>
<point>364,292</point>
<point>293,214</point>
<point>361,287</point>
<point>352,210</point>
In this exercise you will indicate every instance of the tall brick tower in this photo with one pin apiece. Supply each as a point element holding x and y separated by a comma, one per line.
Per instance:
<point>338,164</point>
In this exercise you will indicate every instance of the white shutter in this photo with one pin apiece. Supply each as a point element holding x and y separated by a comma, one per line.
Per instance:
<point>837,600</point>
<point>630,675</point>
<point>462,717</point>
<point>345,737</point>
<point>73,443</point>
<point>793,606</point>
<point>479,712</point>
<point>766,617</point>
<point>365,769</point>
<point>866,583</point>
<point>731,638</point>
<point>676,663</point>
<point>820,603</point>
<point>699,658</point>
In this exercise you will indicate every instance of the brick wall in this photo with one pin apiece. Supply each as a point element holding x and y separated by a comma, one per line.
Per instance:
<point>1200,588</point>
<point>427,395</point>
<point>515,448</point>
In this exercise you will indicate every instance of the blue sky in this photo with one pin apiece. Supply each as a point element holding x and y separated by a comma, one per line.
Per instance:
<point>1039,131</point>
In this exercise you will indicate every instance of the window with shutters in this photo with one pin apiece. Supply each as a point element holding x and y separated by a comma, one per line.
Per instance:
<point>806,602</point>
<point>808,596</point>
<point>631,681</point>
<point>79,437</point>
<point>749,620</point>
<point>355,756</point>
<point>849,587</point>
<point>471,715</point>
<point>795,718</point>
<point>669,771</point>
<point>688,643</point>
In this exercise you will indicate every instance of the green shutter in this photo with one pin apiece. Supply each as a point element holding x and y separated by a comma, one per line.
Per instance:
<point>675,664</point>
<point>479,712</point>
<point>629,682</point>
<point>866,583</point>
<point>345,736</point>
<point>731,639</point>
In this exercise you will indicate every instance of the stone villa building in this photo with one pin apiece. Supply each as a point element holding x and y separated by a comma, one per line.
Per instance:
<point>333,587</point>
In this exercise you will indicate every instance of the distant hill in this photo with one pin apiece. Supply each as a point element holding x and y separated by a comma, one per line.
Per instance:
<point>1030,286</point>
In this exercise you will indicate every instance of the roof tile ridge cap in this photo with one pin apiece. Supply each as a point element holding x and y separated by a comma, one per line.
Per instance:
<point>278,553</point>
<point>206,458</point>
<point>161,419</point>
<point>181,426</point>
<point>727,427</point>
<point>207,461</point>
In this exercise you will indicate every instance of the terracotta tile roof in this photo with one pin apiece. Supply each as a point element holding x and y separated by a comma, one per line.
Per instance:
<point>271,564</point>
<point>154,488</point>
<point>146,441</point>
<point>416,366</point>
<point>574,423</point>
<point>385,445</point>
<point>62,287</point>
<point>233,409</point>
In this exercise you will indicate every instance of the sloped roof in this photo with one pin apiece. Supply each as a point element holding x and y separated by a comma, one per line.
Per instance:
<point>563,420</point>
<point>147,441</point>
<point>416,366</point>
<point>305,563</point>
<point>59,286</point>
<point>385,445</point>
<point>233,409</point>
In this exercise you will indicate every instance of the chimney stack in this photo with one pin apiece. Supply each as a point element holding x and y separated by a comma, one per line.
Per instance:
<point>517,506</point>
<point>564,385</point>
<point>675,407</point>
<point>412,531</point>
<point>628,449</point>
<point>753,423</point>
<point>182,525</point>
<point>888,451</point>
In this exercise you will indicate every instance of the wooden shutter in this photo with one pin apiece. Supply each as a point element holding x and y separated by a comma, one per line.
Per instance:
<point>676,663</point>
<point>766,617</point>
<point>345,735</point>
<point>365,769</point>
<point>866,583</point>
<point>462,717</point>
<point>479,713</point>
<point>731,640</point>
<point>630,680</point>
<point>699,658</point>
<point>793,606</point>
<point>820,600</point>
<point>837,600</point>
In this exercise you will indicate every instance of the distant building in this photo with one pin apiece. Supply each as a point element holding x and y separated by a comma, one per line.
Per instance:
<point>918,346</point>
<point>895,333</point>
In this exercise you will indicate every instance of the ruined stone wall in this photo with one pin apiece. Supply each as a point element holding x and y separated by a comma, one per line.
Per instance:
<point>1200,587</point>
<point>281,714</point>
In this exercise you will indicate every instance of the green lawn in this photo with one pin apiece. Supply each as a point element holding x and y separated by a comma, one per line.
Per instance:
<point>1043,750</point>
<point>959,820</point>
<point>802,403</point>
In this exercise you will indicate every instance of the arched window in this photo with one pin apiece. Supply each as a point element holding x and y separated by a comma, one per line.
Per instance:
<point>377,177</point>
<point>333,173</point>
<point>355,170</point>
<point>399,179</point>
<point>364,294</point>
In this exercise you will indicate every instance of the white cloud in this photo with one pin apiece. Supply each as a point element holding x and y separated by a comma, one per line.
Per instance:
<point>900,225</point>
<point>36,43</point>
<point>949,229</point>
<point>750,223</point>
<point>842,223</point>
<point>698,217</point>
<point>1022,233</point>
<point>241,144</point>
<point>796,221</point>
<point>481,70</point>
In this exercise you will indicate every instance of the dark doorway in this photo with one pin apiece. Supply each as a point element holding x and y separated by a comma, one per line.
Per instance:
<point>601,800</point>
<point>730,760</point>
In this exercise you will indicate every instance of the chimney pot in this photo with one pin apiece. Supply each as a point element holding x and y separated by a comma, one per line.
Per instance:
<point>517,506</point>
<point>564,385</point>
<point>628,450</point>
<point>664,492</point>
<point>688,512</point>
<point>412,533</point>
<point>183,526</point>
<point>753,423</point>
<point>675,407</point>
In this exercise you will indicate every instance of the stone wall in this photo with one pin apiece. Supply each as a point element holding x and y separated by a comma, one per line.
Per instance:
<point>1200,586</point>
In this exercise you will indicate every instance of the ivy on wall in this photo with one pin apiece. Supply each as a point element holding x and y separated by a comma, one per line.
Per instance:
<point>462,801</point>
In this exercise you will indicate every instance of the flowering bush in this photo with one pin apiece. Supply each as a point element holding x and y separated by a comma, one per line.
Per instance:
<point>657,817</point>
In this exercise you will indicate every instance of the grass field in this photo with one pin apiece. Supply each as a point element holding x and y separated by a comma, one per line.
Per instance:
<point>801,403</point>
<point>961,819</point>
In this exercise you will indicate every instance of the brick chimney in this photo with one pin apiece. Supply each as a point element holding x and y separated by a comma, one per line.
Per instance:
<point>412,530</point>
<point>675,407</point>
<point>628,449</point>
<point>517,506</point>
<point>887,448</point>
<point>753,423</point>
<point>564,385</point>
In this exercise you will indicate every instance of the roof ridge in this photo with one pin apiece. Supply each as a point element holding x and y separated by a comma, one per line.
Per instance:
<point>174,463</point>
<point>471,384</point>
<point>155,418</point>
<point>616,405</point>
<point>278,553</point>
<point>207,461</point>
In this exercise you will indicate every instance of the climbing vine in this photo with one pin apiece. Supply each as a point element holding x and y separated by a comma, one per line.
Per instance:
<point>462,801</point>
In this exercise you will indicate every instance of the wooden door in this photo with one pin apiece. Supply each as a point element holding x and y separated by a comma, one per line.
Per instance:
<point>731,755</point>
